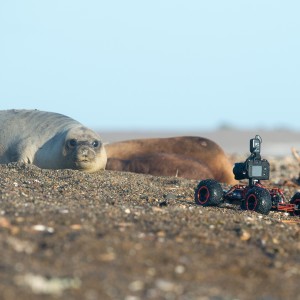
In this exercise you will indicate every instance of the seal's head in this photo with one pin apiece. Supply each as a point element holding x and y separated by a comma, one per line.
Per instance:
<point>84,150</point>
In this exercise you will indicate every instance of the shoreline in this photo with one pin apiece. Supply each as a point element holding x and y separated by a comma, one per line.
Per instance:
<point>276,143</point>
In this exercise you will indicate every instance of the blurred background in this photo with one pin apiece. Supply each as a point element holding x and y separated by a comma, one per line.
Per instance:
<point>226,70</point>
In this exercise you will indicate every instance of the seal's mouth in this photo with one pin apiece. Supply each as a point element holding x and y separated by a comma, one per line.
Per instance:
<point>82,160</point>
<point>82,163</point>
<point>85,165</point>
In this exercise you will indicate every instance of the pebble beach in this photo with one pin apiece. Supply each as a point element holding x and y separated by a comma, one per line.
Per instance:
<point>65,234</point>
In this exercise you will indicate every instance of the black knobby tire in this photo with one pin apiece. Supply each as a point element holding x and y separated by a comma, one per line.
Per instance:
<point>296,200</point>
<point>208,193</point>
<point>257,199</point>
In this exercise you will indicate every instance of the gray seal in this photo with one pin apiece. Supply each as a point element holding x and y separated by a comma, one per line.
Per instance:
<point>50,141</point>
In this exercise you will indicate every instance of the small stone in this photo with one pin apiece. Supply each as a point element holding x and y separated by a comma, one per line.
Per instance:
<point>40,227</point>
<point>108,256</point>
<point>136,285</point>
<point>165,285</point>
<point>76,226</point>
<point>163,203</point>
<point>245,235</point>
<point>170,196</point>
<point>179,269</point>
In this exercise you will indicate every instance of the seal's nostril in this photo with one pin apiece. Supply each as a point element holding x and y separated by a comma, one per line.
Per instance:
<point>85,153</point>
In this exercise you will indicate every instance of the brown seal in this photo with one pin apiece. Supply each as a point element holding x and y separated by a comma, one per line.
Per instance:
<point>185,156</point>
<point>162,164</point>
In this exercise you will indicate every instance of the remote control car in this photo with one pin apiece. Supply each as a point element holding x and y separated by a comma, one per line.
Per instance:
<point>253,196</point>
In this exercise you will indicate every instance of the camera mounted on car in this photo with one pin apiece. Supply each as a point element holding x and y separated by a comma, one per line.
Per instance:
<point>254,168</point>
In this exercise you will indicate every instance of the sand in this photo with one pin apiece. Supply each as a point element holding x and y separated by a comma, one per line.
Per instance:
<point>70,235</point>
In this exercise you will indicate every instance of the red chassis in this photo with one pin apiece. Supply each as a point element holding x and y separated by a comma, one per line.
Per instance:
<point>258,197</point>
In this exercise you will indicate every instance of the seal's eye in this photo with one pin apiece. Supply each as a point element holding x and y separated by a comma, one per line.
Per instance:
<point>72,143</point>
<point>95,144</point>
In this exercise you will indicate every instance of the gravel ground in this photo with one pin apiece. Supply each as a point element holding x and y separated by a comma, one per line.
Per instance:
<point>69,235</point>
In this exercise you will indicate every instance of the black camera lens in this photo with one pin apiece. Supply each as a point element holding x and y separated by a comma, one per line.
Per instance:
<point>239,171</point>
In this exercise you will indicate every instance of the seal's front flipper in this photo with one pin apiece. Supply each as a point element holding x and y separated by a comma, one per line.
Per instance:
<point>21,152</point>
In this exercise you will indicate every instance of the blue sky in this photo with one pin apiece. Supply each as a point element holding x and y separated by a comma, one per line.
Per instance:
<point>154,65</point>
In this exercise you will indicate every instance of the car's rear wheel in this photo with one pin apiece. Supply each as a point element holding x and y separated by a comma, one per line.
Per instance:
<point>296,201</point>
<point>257,199</point>
<point>208,193</point>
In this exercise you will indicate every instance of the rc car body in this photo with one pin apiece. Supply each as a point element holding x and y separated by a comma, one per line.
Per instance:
<point>257,198</point>
<point>253,196</point>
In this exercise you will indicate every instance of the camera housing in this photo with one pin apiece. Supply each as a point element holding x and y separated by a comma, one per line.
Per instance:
<point>254,168</point>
